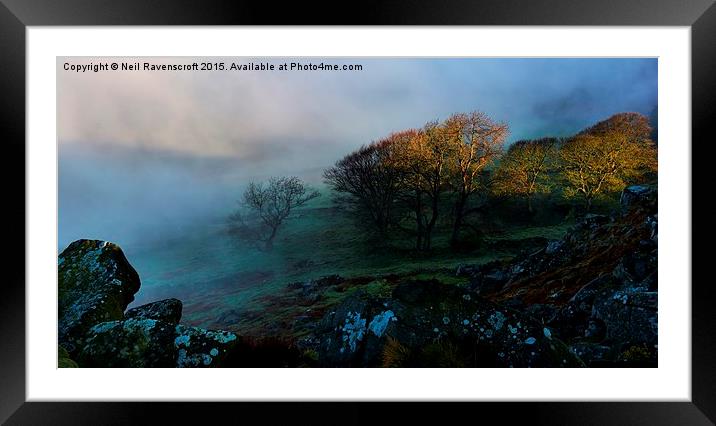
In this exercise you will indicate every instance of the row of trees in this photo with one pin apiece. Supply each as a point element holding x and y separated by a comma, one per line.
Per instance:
<point>411,176</point>
<point>599,160</point>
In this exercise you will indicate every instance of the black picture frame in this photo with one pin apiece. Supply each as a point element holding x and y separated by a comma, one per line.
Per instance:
<point>16,15</point>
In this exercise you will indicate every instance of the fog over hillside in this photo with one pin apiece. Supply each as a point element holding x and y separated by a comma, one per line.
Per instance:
<point>148,156</point>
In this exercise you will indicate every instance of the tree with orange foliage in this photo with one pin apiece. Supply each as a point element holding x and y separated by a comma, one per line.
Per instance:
<point>475,143</point>
<point>422,159</point>
<point>633,125</point>
<point>523,170</point>
<point>607,157</point>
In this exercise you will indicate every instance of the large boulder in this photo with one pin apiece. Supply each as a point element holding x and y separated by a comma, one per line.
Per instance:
<point>96,283</point>
<point>429,324</point>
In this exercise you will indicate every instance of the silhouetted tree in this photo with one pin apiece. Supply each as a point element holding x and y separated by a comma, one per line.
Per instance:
<point>268,205</point>
<point>366,181</point>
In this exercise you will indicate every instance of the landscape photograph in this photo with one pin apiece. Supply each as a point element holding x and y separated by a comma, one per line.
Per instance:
<point>366,212</point>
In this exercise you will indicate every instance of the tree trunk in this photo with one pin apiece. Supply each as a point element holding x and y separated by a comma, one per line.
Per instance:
<point>431,224</point>
<point>419,220</point>
<point>269,241</point>
<point>459,217</point>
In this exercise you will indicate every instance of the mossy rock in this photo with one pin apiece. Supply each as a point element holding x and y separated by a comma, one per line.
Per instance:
<point>143,343</point>
<point>167,310</point>
<point>135,342</point>
<point>96,283</point>
<point>197,347</point>
<point>435,325</point>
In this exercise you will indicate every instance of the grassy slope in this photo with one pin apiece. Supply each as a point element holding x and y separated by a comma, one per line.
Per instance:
<point>227,284</point>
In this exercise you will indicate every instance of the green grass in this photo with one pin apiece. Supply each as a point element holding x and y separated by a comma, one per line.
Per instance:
<point>225,283</point>
<point>519,233</point>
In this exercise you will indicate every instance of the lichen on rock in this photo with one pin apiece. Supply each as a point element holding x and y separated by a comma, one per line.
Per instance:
<point>96,283</point>
<point>167,310</point>
<point>380,322</point>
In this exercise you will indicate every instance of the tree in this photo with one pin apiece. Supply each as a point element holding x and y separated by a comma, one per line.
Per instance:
<point>593,164</point>
<point>475,143</point>
<point>631,125</point>
<point>421,160</point>
<point>523,170</point>
<point>366,181</point>
<point>269,204</point>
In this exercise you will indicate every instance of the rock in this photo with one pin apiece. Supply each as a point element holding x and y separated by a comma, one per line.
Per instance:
<point>638,266</point>
<point>630,315</point>
<point>63,359</point>
<point>135,342</point>
<point>543,313</point>
<point>167,310</point>
<point>593,354</point>
<point>553,246</point>
<point>596,330</point>
<point>488,278</point>
<point>343,332</point>
<point>197,347</point>
<point>428,324</point>
<point>637,195</point>
<point>311,291</point>
<point>592,221</point>
<point>96,283</point>
<point>142,343</point>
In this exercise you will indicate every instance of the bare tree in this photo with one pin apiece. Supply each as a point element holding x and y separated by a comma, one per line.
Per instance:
<point>269,204</point>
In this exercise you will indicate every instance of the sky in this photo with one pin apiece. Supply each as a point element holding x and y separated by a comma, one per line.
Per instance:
<point>147,154</point>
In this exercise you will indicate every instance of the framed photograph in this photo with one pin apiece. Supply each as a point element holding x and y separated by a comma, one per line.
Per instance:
<point>486,202</point>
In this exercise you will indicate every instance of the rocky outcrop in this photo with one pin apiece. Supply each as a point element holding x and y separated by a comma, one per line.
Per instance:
<point>429,324</point>
<point>96,283</point>
<point>596,288</point>
<point>589,298</point>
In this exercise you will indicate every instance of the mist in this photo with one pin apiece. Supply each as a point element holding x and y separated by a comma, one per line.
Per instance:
<point>152,157</point>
